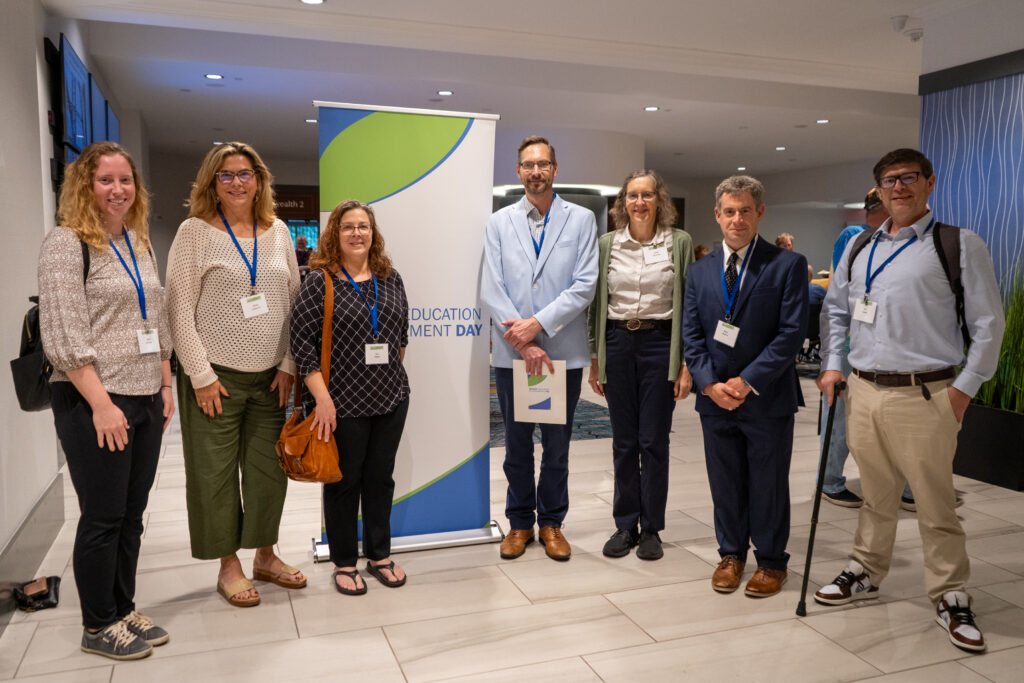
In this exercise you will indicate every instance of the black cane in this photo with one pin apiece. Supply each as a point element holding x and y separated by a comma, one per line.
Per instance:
<point>837,389</point>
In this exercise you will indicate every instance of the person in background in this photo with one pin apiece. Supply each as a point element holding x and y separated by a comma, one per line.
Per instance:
<point>105,331</point>
<point>784,241</point>
<point>699,252</point>
<point>231,279</point>
<point>367,399</point>
<point>815,292</point>
<point>637,357</point>
<point>302,251</point>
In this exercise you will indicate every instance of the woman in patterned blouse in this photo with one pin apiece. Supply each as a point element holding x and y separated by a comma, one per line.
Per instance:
<point>105,332</point>
<point>231,278</point>
<point>367,398</point>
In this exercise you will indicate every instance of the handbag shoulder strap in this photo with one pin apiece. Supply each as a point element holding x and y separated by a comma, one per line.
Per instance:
<point>325,343</point>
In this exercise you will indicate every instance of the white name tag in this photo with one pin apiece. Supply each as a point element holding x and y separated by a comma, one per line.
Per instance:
<point>864,311</point>
<point>254,305</point>
<point>726,333</point>
<point>376,354</point>
<point>149,341</point>
<point>655,253</point>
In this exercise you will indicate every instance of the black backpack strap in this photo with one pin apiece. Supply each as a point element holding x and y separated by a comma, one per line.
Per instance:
<point>859,243</point>
<point>85,261</point>
<point>947,247</point>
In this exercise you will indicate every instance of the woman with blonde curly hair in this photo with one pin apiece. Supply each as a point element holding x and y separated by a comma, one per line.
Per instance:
<point>367,398</point>
<point>105,332</point>
<point>635,341</point>
<point>231,279</point>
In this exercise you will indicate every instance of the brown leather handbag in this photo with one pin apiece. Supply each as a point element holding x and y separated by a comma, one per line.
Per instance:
<point>303,456</point>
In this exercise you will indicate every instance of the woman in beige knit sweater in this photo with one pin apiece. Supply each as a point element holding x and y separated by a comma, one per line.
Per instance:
<point>231,279</point>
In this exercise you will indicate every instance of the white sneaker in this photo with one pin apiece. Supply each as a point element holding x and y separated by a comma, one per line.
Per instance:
<point>852,584</point>
<point>953,613</point>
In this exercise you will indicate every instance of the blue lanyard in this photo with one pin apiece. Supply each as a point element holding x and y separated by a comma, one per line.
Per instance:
<point>373,308</point>
<point>871,257</point>
<point>730,299</point>
<point>543,230</point>
<point>137,278</point>
<point>251,266</point>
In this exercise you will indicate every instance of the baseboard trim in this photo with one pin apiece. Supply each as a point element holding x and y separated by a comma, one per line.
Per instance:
<point>29,545</point>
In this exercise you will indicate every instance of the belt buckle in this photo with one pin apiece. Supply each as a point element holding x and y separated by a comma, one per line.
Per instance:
<point>633,324</point>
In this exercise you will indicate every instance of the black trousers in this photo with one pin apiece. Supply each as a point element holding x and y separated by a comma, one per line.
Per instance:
<point>112,488</point>
<point>367,447</point>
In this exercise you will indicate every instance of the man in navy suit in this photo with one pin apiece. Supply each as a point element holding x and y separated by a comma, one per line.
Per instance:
<point>744,321</point>
<point>539,276</point>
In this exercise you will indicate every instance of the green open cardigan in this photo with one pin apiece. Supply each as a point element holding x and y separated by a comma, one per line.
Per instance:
<point>597,315</point>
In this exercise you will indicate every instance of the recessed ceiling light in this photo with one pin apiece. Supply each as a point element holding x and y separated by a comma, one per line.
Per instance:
<point>651,108</point>
<point>214,77</point>
<point>822,121</point>
<point>310,120</point>
<point>445,93</point>
<point>312,2</point>
<point>217,142</point>
<point>780,149</point>
<point>741,168</point>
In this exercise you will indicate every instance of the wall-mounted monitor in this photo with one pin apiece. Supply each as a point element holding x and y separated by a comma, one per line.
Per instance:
<point>74,78</point>
<point>99,111</point>
<point>113,125</point>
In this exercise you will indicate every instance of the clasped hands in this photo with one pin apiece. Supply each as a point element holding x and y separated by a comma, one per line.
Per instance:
<point>519,335</point>
<point>729,394</point>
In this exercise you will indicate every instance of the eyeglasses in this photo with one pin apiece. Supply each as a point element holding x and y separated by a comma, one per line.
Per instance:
<point>908,178</point>
<point>362,229</point>
<point>245,175</point>
<point>646,196</point>
<point>543,165</point>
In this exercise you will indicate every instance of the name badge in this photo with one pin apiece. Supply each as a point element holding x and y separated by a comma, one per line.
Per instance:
<point>254,305</point>
<point>376,354</point>
<point>149,341</point>
<point>864,311</point>
<point>655,253</point>
<point>726,333</point>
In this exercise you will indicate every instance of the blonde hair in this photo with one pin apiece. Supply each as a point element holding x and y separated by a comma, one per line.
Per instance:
<point>203,200</point>
<point>328,250</point>
<point>77,205</point>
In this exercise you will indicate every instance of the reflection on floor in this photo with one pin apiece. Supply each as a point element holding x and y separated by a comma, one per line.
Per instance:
<point>467,615</point>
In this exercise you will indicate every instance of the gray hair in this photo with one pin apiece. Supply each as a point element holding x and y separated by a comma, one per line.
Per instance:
<point>738,184</point>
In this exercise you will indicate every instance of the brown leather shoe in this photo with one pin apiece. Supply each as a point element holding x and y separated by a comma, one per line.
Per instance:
<point>514,544</point>
<point>727,576</point>
<point>555,545</point>
<point>766,582</point>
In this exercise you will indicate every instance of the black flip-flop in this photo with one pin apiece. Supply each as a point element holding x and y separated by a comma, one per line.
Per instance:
<point>376,572</point>
<point>352,575</point>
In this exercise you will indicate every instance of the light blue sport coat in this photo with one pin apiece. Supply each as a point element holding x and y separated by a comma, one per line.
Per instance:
<point>555,288</point>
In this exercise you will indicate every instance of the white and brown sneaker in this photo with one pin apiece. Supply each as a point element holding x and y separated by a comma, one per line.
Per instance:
<point>953,613</point>
<point>852,584</point>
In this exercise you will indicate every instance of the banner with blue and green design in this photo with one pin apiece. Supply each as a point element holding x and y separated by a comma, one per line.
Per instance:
<point>429,177</point>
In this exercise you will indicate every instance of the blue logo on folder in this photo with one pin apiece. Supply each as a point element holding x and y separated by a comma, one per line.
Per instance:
<point>543,405</point>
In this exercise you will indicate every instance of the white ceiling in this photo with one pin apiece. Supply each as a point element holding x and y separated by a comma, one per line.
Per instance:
<point>734,79</point>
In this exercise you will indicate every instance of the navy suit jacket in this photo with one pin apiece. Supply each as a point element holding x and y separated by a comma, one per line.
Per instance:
<point>771,312</point>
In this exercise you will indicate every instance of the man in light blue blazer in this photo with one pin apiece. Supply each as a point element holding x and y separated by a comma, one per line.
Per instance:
<point>539,275</point>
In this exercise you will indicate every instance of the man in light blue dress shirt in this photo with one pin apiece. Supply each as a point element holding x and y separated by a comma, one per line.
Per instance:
<point>909,387</point>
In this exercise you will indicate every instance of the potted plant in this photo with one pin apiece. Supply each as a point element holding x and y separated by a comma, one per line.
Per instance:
<point>991,443</point>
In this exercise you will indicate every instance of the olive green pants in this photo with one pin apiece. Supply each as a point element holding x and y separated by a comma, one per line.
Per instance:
<point>225,513</point>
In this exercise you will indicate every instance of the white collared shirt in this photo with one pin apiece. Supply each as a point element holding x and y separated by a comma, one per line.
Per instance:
<point>637,289</point>
<point>741,254</point>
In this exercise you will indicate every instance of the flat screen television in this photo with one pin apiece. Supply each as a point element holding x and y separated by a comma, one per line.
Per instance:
<point>74,79</point>
<point>113,125</point>
<point>99,111</point>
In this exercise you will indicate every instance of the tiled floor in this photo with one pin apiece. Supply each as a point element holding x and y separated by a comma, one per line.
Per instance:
<point>466,615</point>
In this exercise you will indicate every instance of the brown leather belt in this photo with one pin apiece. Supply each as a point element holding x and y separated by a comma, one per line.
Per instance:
<point>905,379</point>
<point>637,324</point>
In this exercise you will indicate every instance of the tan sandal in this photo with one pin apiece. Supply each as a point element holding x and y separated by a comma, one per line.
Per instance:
<point>276,579</point>
<point>231,590</point>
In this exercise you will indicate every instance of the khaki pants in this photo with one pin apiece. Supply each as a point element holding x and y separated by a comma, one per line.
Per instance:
<point>895,435</point>
<point>223,513</point>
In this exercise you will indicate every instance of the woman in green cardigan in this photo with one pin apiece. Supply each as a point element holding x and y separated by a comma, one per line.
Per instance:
<point>636,346</point>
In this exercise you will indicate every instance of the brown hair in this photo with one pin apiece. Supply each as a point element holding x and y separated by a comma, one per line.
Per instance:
<point>328,250</point>
<point>535,140</point>
<point>739,184</point>
<point>666,214</point>
<point>78,209</point>
<point>202,203</point>
<point>901,156</point>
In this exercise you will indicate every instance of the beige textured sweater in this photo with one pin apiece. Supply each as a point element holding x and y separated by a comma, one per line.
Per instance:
<point>206,280</point>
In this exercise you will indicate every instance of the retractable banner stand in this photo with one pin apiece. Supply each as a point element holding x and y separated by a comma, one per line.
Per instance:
<point>428,176</point>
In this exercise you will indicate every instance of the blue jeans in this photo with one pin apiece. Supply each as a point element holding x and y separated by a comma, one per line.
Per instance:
<point>547,500</point>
